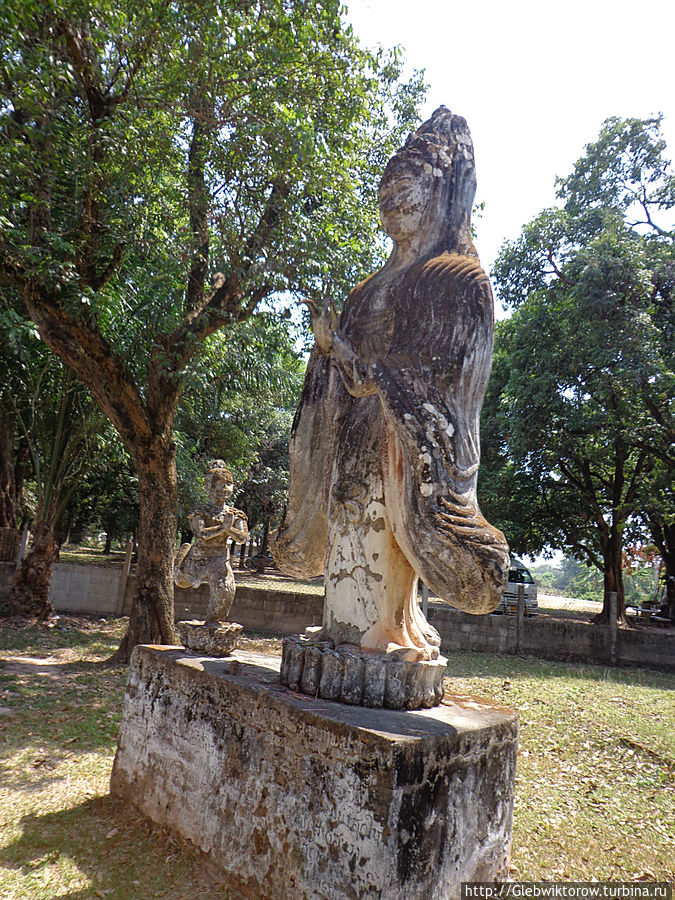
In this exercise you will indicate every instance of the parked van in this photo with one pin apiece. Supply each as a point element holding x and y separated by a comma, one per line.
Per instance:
<point>519,574</point>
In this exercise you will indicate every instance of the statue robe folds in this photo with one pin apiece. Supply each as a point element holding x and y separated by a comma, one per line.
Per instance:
<point>429,353</point>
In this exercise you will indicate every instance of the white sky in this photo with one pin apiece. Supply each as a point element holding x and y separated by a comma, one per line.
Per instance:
<point>535,80</point>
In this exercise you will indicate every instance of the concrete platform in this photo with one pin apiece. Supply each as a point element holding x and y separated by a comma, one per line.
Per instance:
<point>293,797</point>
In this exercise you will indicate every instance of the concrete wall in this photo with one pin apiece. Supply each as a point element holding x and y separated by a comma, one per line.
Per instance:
<point>552,639</point>
<point>83,589</point>
<point>91,590</point>
<point>287,612</point>
<point>95,590</point>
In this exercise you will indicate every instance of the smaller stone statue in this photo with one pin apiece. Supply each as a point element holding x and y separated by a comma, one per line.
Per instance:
<point>207,561</point>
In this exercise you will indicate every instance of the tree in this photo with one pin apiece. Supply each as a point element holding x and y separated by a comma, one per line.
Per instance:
<point>658,516</point>
<point>265,490</point>
<point>583,403</point>
<point>13,446</point>
<point>57,420</point>
<point>166,167</point>
<point>106,497</point>
<point>509,494</point>
<point>249,375</point>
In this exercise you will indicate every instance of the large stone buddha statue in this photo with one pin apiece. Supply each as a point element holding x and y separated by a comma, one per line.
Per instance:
<point>385,444</point>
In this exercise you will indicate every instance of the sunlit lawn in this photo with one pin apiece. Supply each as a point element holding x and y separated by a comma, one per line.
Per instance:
<point>595,796</point>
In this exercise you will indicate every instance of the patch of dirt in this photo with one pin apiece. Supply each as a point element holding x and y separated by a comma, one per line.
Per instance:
<point>569,614</point>
<point>97,558</point>
<point>269,646</point>
<point>49,667</point>
<point>85,624</point>
<point>557,603</point>
<point>273,580</point>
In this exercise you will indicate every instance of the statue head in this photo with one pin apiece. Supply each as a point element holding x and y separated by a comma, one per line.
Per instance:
<point>218,482</point>
<point>428,187</point>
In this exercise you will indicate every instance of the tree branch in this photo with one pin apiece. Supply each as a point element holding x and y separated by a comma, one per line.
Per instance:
<point>83,57</point>
<point>89,355</point>
<point>82,54</point>
<point>584,483</point>
<point>632,487</point>
<point>102,278</point>
<point>595,560</point>
<point>148,40</point>
<point>198,203</point>
<point>224,305</point>
<point>644,203</point>
<point>557,271</point>
<point>266,224</point>
<point>659,415</point>
<point>619,471</point>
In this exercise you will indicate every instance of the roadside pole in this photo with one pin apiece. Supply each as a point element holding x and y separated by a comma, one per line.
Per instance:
<point>613,628</point>
<point>23,546</point>
<point>124,577</point>
<point>520,621</point>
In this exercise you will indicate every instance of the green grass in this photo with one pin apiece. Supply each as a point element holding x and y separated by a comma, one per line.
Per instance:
<point>61,835</point>
<point>595,795</point>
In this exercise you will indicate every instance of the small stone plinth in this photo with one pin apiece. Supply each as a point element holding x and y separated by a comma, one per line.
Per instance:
<point>358,677</point>
<point>297,798</point>
<point>210,638</point>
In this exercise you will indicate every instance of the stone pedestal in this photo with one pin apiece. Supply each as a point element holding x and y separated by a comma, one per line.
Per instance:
<point>210,638</point>
<point>301,798</point>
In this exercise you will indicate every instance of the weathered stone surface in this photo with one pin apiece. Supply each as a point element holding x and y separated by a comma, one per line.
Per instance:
<point>297,798</point>
<point>207,561</point>
<point>360,678</point>
<point>385,445</point>
<point>209,638</point>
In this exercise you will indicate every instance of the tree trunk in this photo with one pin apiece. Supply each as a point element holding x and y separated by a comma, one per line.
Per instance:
<point>108,543</point>
<point>242,555</point>
<point>152,613</point>
<point>670,584</point>
<point>262,562</point>
<point>7,486</point>
<point>612,555</point>
<point>9,543</point>
<point>29,596</point>
<point>9,494</point>
<point>663,535</point>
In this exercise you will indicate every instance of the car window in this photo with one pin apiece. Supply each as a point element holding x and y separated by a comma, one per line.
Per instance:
<point>520,576</point>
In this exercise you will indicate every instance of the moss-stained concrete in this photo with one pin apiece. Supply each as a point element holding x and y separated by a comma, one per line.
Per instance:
<point>294,797</point>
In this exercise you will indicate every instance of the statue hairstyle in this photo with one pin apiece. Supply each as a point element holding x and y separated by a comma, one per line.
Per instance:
<point>443,143</point>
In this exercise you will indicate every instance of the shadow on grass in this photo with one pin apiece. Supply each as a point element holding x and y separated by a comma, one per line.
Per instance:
<point>67,632</point>
<point>56,706</point>
<point>51,668</point>
<point>121,854</point>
